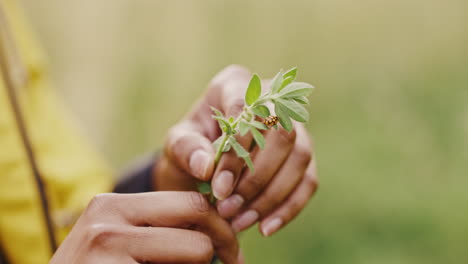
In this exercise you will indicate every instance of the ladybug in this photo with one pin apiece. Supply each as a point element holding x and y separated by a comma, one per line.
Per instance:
<point>271,121</point>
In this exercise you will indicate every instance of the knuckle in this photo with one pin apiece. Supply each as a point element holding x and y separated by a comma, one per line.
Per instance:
<point>272,199</point>
<point>303,154</point>
<point>228,73</point>
<point>176,133</point>
<point>101,234</point>
<point>204,249</point>
<point>288,137</point>
<point>235,69</point>
<point>298,204</point>
<point>100,202</point>
<point>312,183</point>
<point>296,207</point>
<point>198,203</point>
<point>252,184</point>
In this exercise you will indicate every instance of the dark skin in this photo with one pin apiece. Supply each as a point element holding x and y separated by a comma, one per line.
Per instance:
<point>285,175</point>
<point>157,227</point>
<point>181,226</point>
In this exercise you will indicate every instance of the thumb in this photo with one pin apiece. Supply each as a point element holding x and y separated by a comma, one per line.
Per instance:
<point>191,151</point>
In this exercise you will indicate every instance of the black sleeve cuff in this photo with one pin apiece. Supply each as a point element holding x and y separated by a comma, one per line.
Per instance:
<point>138,178</point>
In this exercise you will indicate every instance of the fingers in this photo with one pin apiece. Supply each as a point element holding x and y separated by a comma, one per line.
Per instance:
<point>168,245</point>
<point>293,205</point>
<point>232,102</point>
<point>278,190</point>
<point>179,209</point>
<point>229,169</point>
<point>267,162</point>
<point>188,149</point>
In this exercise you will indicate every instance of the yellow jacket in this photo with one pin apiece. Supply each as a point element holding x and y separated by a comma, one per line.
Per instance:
<point>72,171</point>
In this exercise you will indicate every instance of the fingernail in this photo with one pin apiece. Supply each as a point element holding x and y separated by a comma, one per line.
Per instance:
<point>229,207</point>
<point>222,185</point>
<point>199,162</point>
<point>272,226</point>
<point>240,258</point>
<point>245,220</point>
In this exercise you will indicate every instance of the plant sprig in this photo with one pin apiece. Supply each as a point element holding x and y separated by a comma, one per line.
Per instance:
<point>289,99</point>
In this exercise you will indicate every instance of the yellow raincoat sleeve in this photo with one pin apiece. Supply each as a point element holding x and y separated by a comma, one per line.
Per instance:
<point>71,168</point>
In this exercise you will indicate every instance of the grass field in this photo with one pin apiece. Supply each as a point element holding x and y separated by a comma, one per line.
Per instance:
<point>389,116</point>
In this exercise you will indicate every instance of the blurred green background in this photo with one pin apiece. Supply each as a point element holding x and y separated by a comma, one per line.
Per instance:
<point>389,116</point>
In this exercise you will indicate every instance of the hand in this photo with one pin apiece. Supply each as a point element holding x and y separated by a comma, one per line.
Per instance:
<point>158,227</point>
<point>285,174</point>
<point>285,178</point>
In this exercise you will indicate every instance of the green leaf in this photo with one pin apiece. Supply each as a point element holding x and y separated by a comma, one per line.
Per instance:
<point>261,110</point>
<point>284,119</point>
<point>243,128</point>
<point>227,147</point>
<point>276,82</point>
<point>258,125</point>
<point>302,100</point>
<point>222,122</point>
<point>296,89</point>
<point>249,163</point>
<point>216,111</point>
<point>231,119</point>
<point>258,137</point>
<point>295,110</point>
<point>240,151</point>
<point>204,187</point>
<point>290,73</point>
<point>254,90</point>
<point>286,82</point>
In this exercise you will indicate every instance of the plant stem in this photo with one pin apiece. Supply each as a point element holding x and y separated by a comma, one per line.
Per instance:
<point>247,109</point>
<point>219,151</point>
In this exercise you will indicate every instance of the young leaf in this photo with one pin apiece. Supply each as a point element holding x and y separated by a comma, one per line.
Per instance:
<point>261,111</point>
<point>258,125</point>
<point>291,73</point>
<point>241,152</point>
<point>258,137</point>
<point>216,111</point>
<point>204,187</point>
<point>276,82</point>
<point>286,82</point>
<point>296,89</point>
<point>295,110</point>
<point>243,128</point>
<point>216,144</point>
<point>225,126</point>
<point>302,100</point>
<point>231,119</point>
<point>254,90</point>
<point>284,119</point>
<point>226,147</point>
<point>249,163</point>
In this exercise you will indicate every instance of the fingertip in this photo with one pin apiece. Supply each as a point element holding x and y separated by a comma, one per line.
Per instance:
<point>223,184</point>
<point>245,220</point>
<point>201,164</point>
<point>267,228</point>
<point>227,208</point>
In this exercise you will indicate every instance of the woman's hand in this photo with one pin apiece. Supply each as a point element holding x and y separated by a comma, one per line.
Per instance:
<point>285,174</point>
<point>158,227</point>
